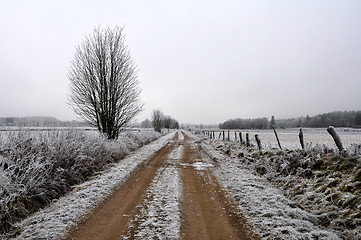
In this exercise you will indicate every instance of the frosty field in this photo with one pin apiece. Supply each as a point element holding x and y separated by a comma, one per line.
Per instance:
<point>187,186</point>
<point>289,137</point>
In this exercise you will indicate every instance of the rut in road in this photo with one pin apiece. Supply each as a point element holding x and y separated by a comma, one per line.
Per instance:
<point>207,212</point>
<point>110,220</point>
<point>170,197</point>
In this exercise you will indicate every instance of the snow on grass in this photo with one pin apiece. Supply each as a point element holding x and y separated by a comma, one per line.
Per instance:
<point>37,167</point>
<point>273,215</point>
<point>290,140</point>
<point>159,216</point>
<point>55,220</point>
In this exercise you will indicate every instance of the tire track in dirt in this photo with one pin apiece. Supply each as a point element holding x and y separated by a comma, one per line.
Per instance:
<point>206,211</point>
<point>110,219</point>
<point>137,210</point>
<point>159,216</point>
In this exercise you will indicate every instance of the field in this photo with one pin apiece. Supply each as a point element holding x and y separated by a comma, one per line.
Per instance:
<point>185,185</point>
<point>289,137</point>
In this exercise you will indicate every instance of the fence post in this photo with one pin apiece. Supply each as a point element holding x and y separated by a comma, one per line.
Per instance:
<point>300,135</point>
<point>235,136</point>
<point>278,141</point>
<point>220,133</point>
<point>240,137</point>
<point>247,139</point>
<point>228,135</point>
<point>223,135</point>
<point>258,142</point>
<point>332,131</point>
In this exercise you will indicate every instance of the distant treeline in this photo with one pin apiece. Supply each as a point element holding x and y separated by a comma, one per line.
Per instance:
<point>336,119</point>
<point>38,122</point>
<point>256,123</point>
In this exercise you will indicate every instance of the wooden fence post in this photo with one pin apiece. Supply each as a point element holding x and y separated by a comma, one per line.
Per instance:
<point>235,136</point>
<point>240,137</point>
<point>213,135</point>
<point>278,141</point>
<point>223,135</point>
<point>300,135</point>
<point>258,142</point>
<point>332,131</point>
<point>228,135</point>
<point>247,139</point>
<point>220,133</point>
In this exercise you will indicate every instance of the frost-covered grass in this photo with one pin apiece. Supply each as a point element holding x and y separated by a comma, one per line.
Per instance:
<point>38,167</point>
<point>289,137</point>
<point>322,186</point>
<point>273,215</point>
<point>159,216</point>
<point>54,221</point>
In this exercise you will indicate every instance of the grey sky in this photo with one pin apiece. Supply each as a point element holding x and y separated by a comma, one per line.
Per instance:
<point>199,61</point>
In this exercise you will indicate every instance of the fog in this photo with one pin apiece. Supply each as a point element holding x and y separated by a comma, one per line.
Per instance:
<point>198,61</point>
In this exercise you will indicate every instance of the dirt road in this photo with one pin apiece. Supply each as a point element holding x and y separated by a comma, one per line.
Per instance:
<point>173,195</point>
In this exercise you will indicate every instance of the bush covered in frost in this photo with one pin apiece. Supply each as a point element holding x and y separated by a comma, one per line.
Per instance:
<point>36,168</point>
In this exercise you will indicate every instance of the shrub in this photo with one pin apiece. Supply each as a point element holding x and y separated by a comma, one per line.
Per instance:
<point>36,168</point>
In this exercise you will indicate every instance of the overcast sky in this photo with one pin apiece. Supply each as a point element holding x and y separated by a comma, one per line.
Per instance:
<point>198,61</point>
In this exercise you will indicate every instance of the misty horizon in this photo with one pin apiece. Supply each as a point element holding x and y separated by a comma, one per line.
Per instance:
<point>199,62</point>
<point>280,120</point>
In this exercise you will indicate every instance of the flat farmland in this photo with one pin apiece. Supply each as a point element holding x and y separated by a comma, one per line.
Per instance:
<point>289,137</point>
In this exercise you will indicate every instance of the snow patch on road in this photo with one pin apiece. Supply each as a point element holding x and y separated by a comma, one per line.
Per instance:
<point>159,216</point>
<point>180,137</point>
<point>56,220</point>
<point>199,166</point>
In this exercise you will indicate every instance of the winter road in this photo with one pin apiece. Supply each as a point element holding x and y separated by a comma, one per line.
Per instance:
<point>174,195</point>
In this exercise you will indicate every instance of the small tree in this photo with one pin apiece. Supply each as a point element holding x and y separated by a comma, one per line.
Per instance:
<point>168,122</point>
<point>157,117</point>
<point>146,124</point>
<point>103,82</point>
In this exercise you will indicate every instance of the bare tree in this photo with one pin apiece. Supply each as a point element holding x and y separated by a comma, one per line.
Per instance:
<point>157,117</point>
<point>103,82</point>
<point>167,122</point>
<point>146,124</point>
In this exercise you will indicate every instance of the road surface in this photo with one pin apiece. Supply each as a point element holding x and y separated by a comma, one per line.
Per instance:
<point>174,195</point>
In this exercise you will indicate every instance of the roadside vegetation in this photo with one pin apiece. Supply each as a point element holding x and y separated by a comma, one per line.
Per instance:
<point>320,180</point>
<point>36,168</point>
